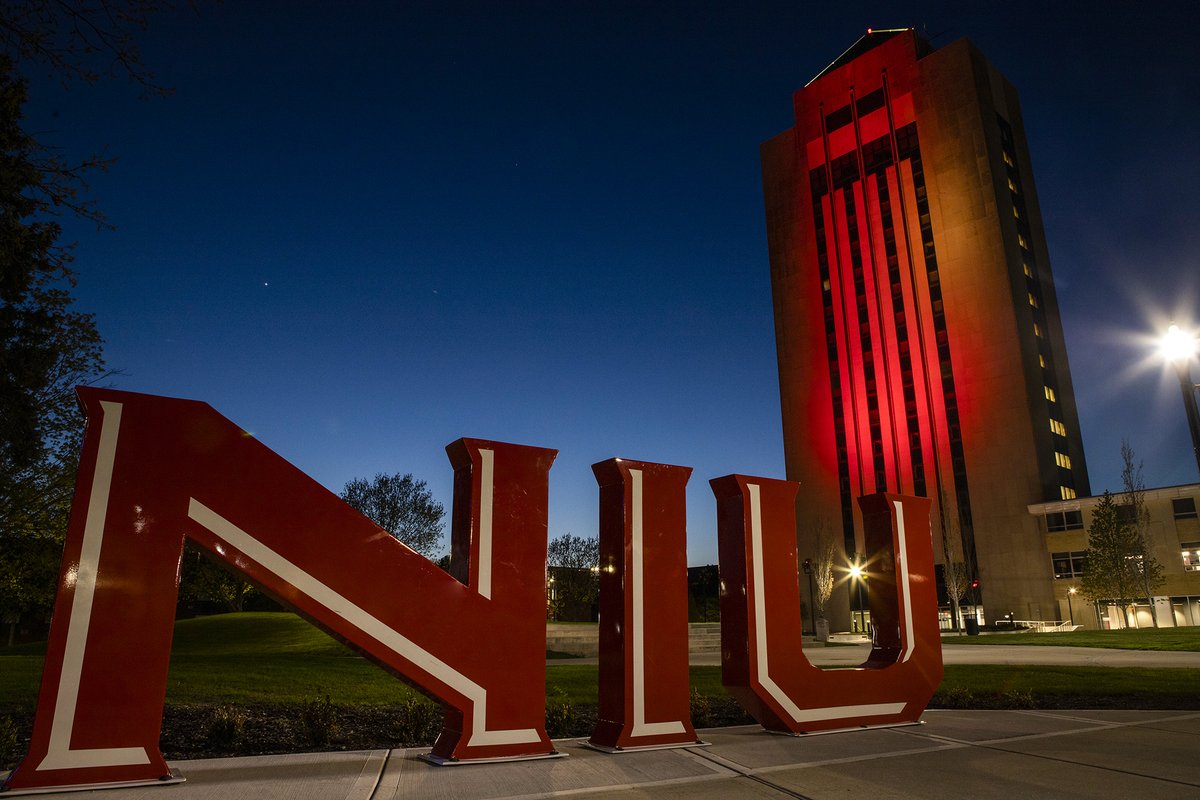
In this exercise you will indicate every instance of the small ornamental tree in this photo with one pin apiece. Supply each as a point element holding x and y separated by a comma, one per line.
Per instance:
<point>1148,572</point>
<point>1108,568</point>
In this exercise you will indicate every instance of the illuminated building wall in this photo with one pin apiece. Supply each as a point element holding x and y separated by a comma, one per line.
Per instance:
<point>919,341</point>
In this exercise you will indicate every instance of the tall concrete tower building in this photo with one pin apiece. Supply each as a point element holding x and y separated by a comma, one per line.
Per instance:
<point>919,340</point>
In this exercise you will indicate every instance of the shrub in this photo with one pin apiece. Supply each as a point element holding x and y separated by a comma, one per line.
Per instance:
<point>8,741</point>
<point>417,723</point>
<point>318,718</point>
<point>225,728</point>
<point>701,710</point>
<point>562,718</point>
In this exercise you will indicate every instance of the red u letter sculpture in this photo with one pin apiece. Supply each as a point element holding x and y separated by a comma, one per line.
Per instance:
<point>763,664</point>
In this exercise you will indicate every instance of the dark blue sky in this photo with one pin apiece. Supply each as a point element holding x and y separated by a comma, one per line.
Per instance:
<point>363,231</point>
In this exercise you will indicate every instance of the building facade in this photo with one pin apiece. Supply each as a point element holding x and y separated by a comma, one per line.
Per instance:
<point>919,341</point>
<point>1173,535</point>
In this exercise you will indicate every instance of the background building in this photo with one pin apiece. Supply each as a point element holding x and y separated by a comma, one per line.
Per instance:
<point>1174,539</point>
<point>919,341</point>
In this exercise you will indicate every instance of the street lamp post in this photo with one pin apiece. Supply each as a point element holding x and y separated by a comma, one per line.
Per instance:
<point>859,575</point>
<point>1071,611</point>
<point>1179,349</point>
<point>812,597</point>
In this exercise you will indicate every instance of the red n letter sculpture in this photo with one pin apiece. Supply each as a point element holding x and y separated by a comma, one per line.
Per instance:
<point>763,664</point>
<point>155,470</point>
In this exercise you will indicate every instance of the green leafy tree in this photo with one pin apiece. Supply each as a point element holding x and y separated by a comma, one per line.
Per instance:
<point>401,505</point>
<point>574,563</point>
<point>46,349</point>
<point>1109,573</point>
<point>1146,567</point>
<point>202,579</point>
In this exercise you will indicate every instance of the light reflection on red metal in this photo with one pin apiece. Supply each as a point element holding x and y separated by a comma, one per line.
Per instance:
<point>154,470</point>
<point>644,699</point>
<point>762,659</point>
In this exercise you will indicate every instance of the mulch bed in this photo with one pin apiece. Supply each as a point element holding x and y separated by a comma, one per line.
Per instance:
<point>212,731</point>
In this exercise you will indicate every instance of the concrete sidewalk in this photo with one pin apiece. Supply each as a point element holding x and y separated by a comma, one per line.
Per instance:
<point>956,754</point>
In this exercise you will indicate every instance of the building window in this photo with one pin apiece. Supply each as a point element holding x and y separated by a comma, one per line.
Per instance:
<point>1068,565</point>
<point>1012,187</point>
<point>1028,269</point>
<point>1021,241</point>
<point>1063,460</point>
<point>1059,521</point>
<point>1191,556</point>
<point>1041,361</point>
<point>1066,492</point>
<point>1037,330</point>
<point>1184,507</point>
<point>1033,300</point>
<point>1058,427</point>
<point>1050,394</point>
<point>1008,159</point>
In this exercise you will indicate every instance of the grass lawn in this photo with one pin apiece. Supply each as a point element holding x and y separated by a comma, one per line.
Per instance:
<point>276,659</point>
<point>1129,639</point>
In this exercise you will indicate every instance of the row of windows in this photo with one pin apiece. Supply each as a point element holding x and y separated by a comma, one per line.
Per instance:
<point>1072,564</point>
<point>1064,521</point>
<point>1057,521</point>
<point>1033,294</point>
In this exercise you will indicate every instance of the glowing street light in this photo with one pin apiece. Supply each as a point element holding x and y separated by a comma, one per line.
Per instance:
<point>859,576</point>
<point>1179,348</point>
<point>1071,611</point>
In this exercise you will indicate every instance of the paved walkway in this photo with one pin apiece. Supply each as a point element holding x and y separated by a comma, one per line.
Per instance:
<point>956,754</point>
<point>851,655</point>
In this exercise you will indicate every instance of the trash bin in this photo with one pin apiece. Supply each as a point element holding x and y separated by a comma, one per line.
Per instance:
<point>972,626</point>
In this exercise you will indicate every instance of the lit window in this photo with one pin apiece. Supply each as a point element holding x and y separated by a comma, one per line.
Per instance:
<point>825,284</point>
<point>1021,241</point>
<point>1028,270</point>
<point>1008,159</point>
<point>1184,507</point>
<point>1191,556</point>
<point>1058,427</point>
<point>1033,300</point>
<point>1050,394</point>
<point>1063,460</point>
<point>1016,212</point>
<point>1037,329</point>
<point>1067,492</point>
<point>1041,361</point>
<point>1012,186</point>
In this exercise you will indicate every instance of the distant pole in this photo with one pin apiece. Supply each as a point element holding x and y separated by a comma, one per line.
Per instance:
<point>812,597</point>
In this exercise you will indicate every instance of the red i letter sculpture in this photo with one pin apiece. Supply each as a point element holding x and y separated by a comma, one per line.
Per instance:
<point>644,700</point>
<point>155,470</point>
<point>763,664</point>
